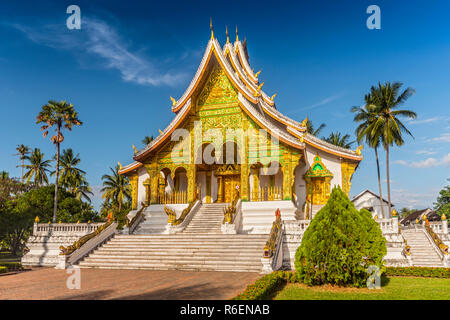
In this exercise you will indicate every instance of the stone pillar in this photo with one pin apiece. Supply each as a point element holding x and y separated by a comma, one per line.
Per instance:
<point>255,190</point>
<point>445,226</point>
<point>395,224</point>
<point>208,187</point>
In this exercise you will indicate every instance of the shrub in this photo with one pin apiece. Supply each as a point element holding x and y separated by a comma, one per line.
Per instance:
<point>267,285</point>
<point>339,245</point>
<point>418,272</point>
<point>12,266</point>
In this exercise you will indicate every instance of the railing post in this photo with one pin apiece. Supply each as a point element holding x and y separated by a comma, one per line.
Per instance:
<point>444,226</point>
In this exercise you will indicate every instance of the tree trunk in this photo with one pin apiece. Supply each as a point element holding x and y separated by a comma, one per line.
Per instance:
<point>21,172</point>
<point>55,203</point>
<point>379,182</point>
<point>388,180</point>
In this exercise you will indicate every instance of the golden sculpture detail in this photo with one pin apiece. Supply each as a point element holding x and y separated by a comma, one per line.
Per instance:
<point>237,34</point>
<point>36,220</point>
<point>120,165</point>
<point>160,132</point>
<point>226,31</point>
<point>358,150</point>
<point>174,102</point>
<point>394,212</point>
<point>257,74</point>
<point>304,122</point>
<point>272,97</point>
<point>211,26</point>
<point>135,149</point>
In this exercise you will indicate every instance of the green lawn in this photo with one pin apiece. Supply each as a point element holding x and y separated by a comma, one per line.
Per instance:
<point>394,288</point>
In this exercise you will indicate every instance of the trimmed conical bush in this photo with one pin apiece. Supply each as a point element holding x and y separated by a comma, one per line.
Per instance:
<point>339,245</point>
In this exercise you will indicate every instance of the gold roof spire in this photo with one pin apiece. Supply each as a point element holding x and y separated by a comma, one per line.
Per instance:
<point>237,34</point>
<point>212,29</point>
<point>226,31</point>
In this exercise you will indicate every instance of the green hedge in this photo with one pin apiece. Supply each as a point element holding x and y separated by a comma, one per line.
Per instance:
<point>418,272</point>
<point>12,266</point>
<point>3,269</point>
<point>265,286</point>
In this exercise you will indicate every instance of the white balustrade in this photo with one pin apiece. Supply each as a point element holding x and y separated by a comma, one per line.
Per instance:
<point>64,229</point>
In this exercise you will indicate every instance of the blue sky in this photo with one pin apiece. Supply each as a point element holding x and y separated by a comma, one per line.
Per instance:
<point>129,57</point>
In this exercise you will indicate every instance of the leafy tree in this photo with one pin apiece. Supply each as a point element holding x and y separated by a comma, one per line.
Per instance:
<point>116,188</point>
<point>339,140</point>
<point>68,168</point>
<point>442,204</point>
<point>312,130</point>
<point>366,115</point>
<point>387,125</point>
<point>61,115</point>
<point>22,152</point>
<point>339,245</point>
<point>37,167</point>
<point>147,140</point>
<point>39,202</point>
<point>4,175</point>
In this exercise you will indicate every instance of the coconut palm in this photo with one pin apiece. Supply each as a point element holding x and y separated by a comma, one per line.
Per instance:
<point>116,188</point>
<point>68,168</point>
<point>80,187</point>
<point>366,115</point>
<point>37,168</point>
<point>387,125</point>
<point>59,115</point>
<point>147,140</point>
<point>22,151</point>
<point>310,128</point>
<point>339,140</point>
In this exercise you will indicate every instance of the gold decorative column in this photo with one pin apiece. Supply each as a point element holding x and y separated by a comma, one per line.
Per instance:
<point>255,189</point>
<point>347,170</point>
<point>208,187</point>
<point>147,184</point>
<point>220,189</point>
<point>134,180</point>
<point>191,175</point>
<point>286,169</point>
<point>244,183</point>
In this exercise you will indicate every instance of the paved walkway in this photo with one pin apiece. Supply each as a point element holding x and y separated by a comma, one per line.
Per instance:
<point>48,283</point>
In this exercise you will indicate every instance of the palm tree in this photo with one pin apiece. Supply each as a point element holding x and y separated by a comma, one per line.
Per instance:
<point>22,151</point>
<point>63,116</point>
<point>37,167</point>
<point>310,128</point>
<point>339,140</point>
<point>4,175</point>
<point>116,188</point>
<point>80,188</point>
<point>147,140</point>
<point>387,125</point>
<point>68,168</point>
<point>366,115</point>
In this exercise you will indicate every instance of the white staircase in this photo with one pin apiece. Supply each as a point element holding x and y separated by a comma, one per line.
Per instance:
<point>193,252</point>
<point>200,247</point>
<point>423,253</point>
<point>208,219</point>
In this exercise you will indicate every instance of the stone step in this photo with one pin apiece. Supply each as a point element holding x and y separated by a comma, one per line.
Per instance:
<point>175,258</point>
<point>170,267</point>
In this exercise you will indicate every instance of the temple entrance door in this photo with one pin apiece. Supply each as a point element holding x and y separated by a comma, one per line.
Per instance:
<point>230,182</point>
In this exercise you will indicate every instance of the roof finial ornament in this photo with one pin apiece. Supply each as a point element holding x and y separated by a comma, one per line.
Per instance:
<point>257,74</point>
<point>226,31</point>
<point>211,26</point>
<point>272,97</point>
<point>237,34</point>
<point>304,122</point>
<point>135,149</point>
<point>358,150</point>
<point>174,102</point>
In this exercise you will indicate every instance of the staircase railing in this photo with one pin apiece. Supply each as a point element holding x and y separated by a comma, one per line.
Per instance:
<point>136,220</point>
<point>436,240</point>
<point>175,225</point>
<point>267,194</point>
<point>273,257</point>
<point>83,246</point>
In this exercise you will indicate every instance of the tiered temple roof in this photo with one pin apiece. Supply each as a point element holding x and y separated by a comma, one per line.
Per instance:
<point>232,58</point>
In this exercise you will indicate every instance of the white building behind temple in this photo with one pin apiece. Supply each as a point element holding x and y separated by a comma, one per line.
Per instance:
<point>371,201</point>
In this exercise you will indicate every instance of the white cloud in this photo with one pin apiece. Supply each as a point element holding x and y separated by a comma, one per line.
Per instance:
<point>427,163</point>
<point>427,152</point>
<point>444,137</point>
<point>429,120</point>
<point>418,200</point>
<point>98,39</point>
<point>320,103</point>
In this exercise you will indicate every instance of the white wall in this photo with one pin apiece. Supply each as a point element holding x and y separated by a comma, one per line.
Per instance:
<point>368,200</point>
<point>143,175</point>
